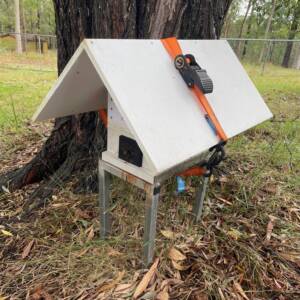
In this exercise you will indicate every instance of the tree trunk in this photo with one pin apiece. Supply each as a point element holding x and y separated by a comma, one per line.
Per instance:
<point>291,36</point>
<point>24,40</point>
<point>238,50</point>
<point>77,141</point>
<point>18,27</point>
<point>248,29</point>
<point>267,30</point>
<point>296,63</point>
<point>31,21</point>
<point>38,29</point>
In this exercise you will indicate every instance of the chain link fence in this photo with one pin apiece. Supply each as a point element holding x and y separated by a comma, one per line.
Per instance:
<point>31,42</point>
<point>255,51</point>
<point>261,51</point>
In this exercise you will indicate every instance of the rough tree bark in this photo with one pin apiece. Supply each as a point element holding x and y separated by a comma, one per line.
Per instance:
<point>76,141</point>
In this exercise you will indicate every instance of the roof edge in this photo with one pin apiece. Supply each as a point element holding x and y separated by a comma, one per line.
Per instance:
<point>82,47</point>
<point>90,52</point>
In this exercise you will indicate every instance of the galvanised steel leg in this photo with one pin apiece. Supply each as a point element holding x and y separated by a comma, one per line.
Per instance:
<point>104,201</point>
<point>200,196</point>
<point>152,198</point>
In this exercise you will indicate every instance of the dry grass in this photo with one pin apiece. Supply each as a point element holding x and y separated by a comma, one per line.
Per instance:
<point>247,245</point>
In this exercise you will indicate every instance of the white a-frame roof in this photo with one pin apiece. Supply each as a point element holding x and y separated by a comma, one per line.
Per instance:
<point>158,108</point>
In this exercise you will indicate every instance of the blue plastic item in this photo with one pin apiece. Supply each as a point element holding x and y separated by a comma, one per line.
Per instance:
<point>211,124</point>
<point>180,184</point>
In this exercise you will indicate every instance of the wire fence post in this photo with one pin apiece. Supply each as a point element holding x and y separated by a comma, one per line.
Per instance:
<point>39,43</point>
<point>265,58</point>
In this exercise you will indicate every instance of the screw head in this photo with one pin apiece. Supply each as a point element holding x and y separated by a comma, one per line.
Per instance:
<point>179,62</point>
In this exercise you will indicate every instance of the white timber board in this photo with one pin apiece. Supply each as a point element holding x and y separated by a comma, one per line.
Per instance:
<point>159,109</point>
<point>78,89</point>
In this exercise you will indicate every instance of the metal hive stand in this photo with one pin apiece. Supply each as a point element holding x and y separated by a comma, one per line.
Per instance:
<point>152,196</point>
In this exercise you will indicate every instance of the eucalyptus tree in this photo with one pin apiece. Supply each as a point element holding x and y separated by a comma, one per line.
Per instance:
<point>77,141</point>
<point>294,27</point>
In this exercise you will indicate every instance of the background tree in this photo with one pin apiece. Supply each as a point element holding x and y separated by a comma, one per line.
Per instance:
<point>249,5</point>
<point>7,16</point>
<point>18,27</point>
<point>270,18</point>
<point>29,15</point>
<point>256,21</point>
<point>23,25</point>
<point>77,141</point>
<point>249,26</point>
<point>231,18</point>
<point>295,21</point>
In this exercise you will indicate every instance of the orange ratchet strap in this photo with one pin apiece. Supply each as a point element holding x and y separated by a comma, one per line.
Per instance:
<point>194,171</point>
<point>173,48</point>
<point>103,116</point>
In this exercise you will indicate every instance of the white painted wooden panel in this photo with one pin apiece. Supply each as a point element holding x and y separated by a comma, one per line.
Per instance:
<point>235,99</point>
<point>78,89</point>
<point>158,107</point>
<point>114,116</point>
<point>117,127</point>
<point>142,173</point>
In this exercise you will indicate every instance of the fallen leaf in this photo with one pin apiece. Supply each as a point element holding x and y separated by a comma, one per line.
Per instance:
<point>223,179</point>
<point>91,233</point>
<point>148,296</point>
<point>168,234</point>
<point>7,233</point>
<point>277,284</point>
<point>240,290</point>
<point>123,288</point>
<point>40,294</point>
<point>112,284</point>
<point>136,276</point>
<point>179,267</point>
<point>234,233</point>
<point>113,252</point>
<point>81,214</point>
<point>58,205</point>
<point>146,279</point>
<point>176,255</point>
<point>82,252</point>
<point>163,296</point>
<point>170,281</point>
<point>5,189</point>
<point>27,249</point>
<point>224,200</point>
<point>272,189</point>
<point>292,256</point>
<point>270,227</point>
<point>221,294</point>
<point>200,296</point>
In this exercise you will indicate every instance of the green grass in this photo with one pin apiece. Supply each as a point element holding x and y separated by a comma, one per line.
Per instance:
<point>24,81</point>
<point>274,79</point>
<point>7,43</point>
